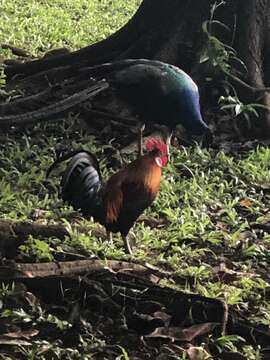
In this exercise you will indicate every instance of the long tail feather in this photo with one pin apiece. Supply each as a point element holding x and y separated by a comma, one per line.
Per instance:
<point>103,69</point>
<point>55,108</point>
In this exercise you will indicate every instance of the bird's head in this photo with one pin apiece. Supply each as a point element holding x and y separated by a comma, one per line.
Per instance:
<point>159,149</point>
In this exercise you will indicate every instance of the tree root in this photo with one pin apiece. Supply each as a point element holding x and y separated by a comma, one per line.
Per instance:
<point>99,280</point>
<point>13,234</point>
<point>78,267</point>
<point>138,307</point>
<point>246,86</point>
<point>120,273</point>
<point>16,51</point>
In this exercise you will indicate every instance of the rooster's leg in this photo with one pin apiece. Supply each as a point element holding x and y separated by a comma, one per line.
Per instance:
<point>140,139</point>
<point>127,244</point>
<point>109,237</point>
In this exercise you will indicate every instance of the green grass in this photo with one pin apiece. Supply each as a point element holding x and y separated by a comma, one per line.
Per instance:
<point>209,201</point>
<point>39,26</point>
<point>209,205</point>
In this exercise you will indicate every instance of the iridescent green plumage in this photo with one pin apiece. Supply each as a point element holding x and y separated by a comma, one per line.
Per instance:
<point>160,93</point>
<point>156,91</point>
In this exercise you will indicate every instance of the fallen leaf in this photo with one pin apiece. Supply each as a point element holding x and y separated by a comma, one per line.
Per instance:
<point>198,353</point>
<point>166,318</point>
<point>182,334</point>
<point>247,203</point>
<point>222,225</point>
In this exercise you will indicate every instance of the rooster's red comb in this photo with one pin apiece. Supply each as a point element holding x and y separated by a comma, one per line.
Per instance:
<point>156,143</point>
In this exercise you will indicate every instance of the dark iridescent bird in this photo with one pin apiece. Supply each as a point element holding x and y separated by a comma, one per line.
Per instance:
<point>117,203</point>
<point>157,92</point>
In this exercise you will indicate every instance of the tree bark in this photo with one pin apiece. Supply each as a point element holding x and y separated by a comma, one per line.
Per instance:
<point>252,42</point>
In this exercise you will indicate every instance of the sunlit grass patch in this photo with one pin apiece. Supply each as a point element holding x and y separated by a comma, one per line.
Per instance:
<point>39,26</point>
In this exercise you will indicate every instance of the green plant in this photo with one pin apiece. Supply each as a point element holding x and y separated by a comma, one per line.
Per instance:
<point>220,58</point>
<point>6,290</point>
<point>124,355</point>
<point>37,248</point>
<point>217,54</point>
<point>235,107</point>
<point>2,78</point>
<point>228,342</point>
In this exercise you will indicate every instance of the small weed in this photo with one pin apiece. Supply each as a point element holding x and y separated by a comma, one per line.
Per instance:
<point>6,290</point>
<point>37,249</point>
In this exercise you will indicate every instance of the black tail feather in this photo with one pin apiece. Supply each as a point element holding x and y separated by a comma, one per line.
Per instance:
<point>81,182</point>
<point>69,155</point>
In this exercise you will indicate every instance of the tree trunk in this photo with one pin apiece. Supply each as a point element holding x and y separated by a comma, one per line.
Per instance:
<point>252,40</point>
<point>171,31</point>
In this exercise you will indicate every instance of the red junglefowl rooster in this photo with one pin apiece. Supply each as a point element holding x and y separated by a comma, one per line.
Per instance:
<point>117,203</point>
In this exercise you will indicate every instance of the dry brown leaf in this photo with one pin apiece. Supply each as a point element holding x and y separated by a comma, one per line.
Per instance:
<point>163,316</point>
<point>182,334</point>
<point>198,353</point>
<point>247,203</point>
